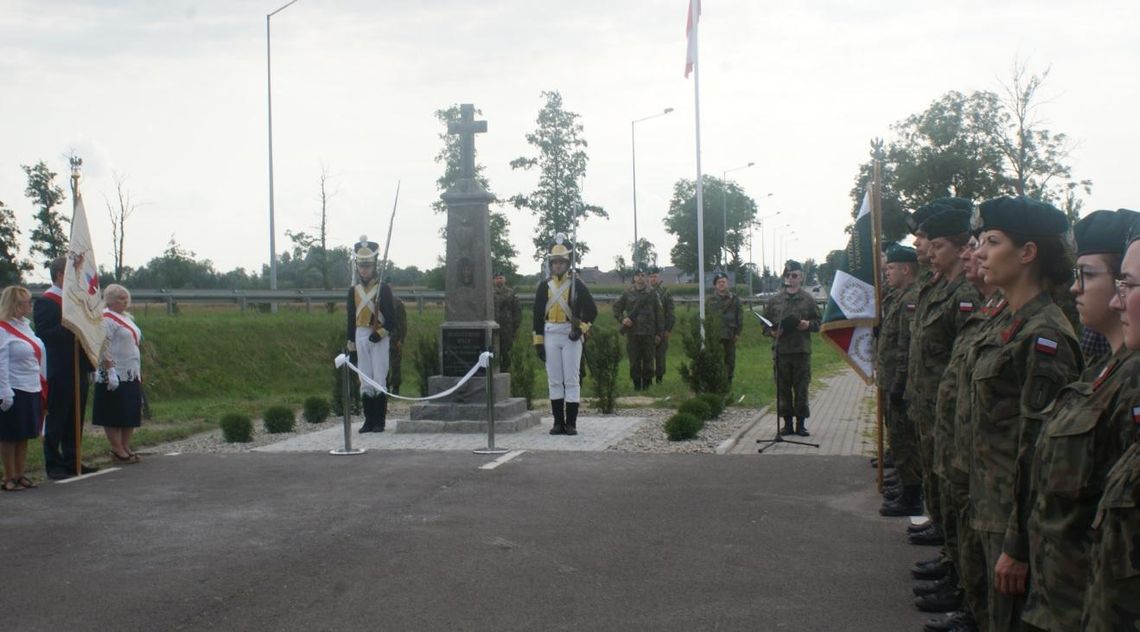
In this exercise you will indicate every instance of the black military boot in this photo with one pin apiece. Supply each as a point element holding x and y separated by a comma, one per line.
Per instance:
<point>801,428</point>
<point>556,407</point>
<point>787,429</point>
<point>571,418</point>
<point>381,412</point>
<point>909,503</point>
<point>931,569</point>
<point>367,407</point>
<point>929,586</point>
<point>931,536</point>
<point>946,600</point>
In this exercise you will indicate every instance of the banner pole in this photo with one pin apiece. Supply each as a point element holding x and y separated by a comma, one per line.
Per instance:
<point>877,259</point>
<point>78,409</point>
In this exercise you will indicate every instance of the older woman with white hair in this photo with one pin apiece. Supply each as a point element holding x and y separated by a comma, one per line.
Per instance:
<point>118,383</point>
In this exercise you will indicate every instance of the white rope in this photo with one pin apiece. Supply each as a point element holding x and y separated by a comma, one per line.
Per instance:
<point>484,362</point>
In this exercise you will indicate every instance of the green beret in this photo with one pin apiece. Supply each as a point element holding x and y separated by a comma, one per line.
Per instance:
<point>718,275</point>
<point>1020,215</point>
<point>956,202</point>
<point>885,246</point>
<point>1098,233</point>
<point>901,254</point>
<point>792,265</point>
<point>915,220</point>
<point>654,269</point>
<point>640,270</point>
<point>952,221</point>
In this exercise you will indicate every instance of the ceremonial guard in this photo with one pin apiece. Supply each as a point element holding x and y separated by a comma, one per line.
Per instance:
<point>563,313</point>
<point>640,320</point>
<point>667,312</point>
<point>726,304</point>
<point>795,315</point>
<point>508,313</point>
<point>371,315</point>
<point>396,350</point>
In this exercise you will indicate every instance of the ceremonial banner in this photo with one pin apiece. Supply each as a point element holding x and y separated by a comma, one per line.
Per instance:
<point>849,318</point>
<point>690,34</point>
<point>82,297</point>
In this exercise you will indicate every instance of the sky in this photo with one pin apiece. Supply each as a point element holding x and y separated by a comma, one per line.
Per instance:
<point>171,96</point>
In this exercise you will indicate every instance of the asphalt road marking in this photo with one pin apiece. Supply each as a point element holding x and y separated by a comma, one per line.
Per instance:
<point>91,475</point>
<point>503,459</point>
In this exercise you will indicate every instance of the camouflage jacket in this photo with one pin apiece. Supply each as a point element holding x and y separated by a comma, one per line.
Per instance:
<point>400,330</point>
<point>643,307</point>
<point>802,306</point>
<point>1112,601</point>
<point>943,316</point>
<point>668,311</point>
<point>508,310</point>
<point>908,305</point>
<point>1019,371</point>
<point>1089,426</point>
<point>731,313</point>
<point>914,368</point>
<point>886,341</point>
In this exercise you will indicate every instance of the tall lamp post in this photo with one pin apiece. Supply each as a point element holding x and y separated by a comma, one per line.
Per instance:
<point>269,91</point>
<point>633,151</point>
<point>759,223</point>
<point>724,188</point>
<point>776,246</point>
<point>787,237</point>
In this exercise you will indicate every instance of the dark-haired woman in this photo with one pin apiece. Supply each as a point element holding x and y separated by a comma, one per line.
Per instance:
<point>1024,251</point>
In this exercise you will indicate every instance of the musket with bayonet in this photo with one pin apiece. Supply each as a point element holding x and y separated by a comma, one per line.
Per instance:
<point>575,323</point>
<point>382,269</point>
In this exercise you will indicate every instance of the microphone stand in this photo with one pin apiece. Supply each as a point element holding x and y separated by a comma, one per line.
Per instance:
<point>777,438</point>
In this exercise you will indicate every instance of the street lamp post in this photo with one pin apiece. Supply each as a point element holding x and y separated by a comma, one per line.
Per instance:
<point>784,239</point>
<point>776,246</point>
<point>269,92</point>
<point>759,223</point>
<point>633,151</point>
<point>724,188</point>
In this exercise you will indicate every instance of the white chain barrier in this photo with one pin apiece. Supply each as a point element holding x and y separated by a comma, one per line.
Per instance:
<point>484,362</point>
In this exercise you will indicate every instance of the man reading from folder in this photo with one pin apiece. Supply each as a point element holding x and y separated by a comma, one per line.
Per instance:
<point>795,316</point>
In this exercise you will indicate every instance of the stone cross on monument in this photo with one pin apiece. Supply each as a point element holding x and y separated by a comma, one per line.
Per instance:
<point>467,127</point>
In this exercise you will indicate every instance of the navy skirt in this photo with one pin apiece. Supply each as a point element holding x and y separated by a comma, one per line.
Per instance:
<point>120,408</point>
<point>22,420</point>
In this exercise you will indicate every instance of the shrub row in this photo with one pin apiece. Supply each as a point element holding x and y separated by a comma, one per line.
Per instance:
<point>692,415</point>
<point>238,428</point>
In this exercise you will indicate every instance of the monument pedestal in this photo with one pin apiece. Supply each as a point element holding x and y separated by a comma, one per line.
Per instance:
<point>465,411</point>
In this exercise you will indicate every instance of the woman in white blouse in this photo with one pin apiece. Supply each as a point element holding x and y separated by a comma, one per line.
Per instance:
<point>23,365</point>
<point>118,386</point>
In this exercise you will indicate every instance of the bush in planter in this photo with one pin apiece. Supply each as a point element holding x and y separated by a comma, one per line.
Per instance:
<point>524,367</point>
<point>316,409</point>
<point>603,355</point>
<point>683,426</point>
<point>705,371</point>
<point>715,402</point>
<point>236,428</point>
<point>697,407</point>
<point>278,419</point>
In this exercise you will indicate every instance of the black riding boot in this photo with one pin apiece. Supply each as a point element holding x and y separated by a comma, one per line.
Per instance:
<point>556,406</point>
<point>367,406</point>
<point>571,418</point>
<point>787,429</point>
<point>381,412</point>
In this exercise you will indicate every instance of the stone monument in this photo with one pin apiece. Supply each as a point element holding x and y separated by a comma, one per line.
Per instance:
<point>469,326</point>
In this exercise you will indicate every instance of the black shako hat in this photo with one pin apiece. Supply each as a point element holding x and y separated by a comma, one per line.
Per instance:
<point>1098,233</point>
<point>791,265</point>
<point>915,220</point>
<point>952,221</point>
<point>1020,215</point>
<point>901,254</point>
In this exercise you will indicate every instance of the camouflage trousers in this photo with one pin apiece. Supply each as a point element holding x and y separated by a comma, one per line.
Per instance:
<point>640,349</point>
<point>967,554</point>
<point>1004,612</point>
<point>793,371</point>
<point>729,357</point>
<point>904,443</point>
<point>506,342</point>
<point>923,419</point>
<point>659,357</point>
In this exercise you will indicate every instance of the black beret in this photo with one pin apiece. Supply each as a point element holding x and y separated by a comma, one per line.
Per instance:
<point>956,202</point>
<point>1098,233</point>
<point>1020,215</point>
<point>915,220</point>
<point>640,270</point>
<point>887,245</point>
<point>792,265</point>
<point>952,221</point>
<point>654,269</point>
<point>901,254</point>
<point>498,273</point>
<point>718,275</point>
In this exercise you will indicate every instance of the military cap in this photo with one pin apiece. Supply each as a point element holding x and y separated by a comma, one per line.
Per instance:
<point>1133,229</point>
<point>718,275</point>
<point>559,250</point>
<point>885,246</point>
<point>956,202</point>
<point>901,254</point>
<point>915,220</point>
<point>791,265</point>
<point>654,269</point>
<point>366,252</point>
<point>640,270</point>
<point>1021,215</point>
<point>1099,232</point>
<point>498,273</point>
<point>952,221</point>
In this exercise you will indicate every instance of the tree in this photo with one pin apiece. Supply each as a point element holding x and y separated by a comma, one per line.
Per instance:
<point>176,269</point>
<point>836,260</point>
<point>682,222</point>
<point>811,272</point>
<point>119,213</point>
<point>621,268</point>
<point>48,238</point>
<point>644,253</point>
<point>503,252</point>
<point>11,268</point>
<point>561,160</point>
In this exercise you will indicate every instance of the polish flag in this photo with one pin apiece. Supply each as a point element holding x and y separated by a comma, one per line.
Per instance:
<point>691,34</point>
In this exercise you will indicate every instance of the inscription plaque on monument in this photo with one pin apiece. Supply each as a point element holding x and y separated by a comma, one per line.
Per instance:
<point>461,348</point>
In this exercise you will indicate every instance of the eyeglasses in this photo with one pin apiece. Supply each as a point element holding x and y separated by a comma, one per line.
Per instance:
<point>789,275</point>
<point>1123,288</point>
<point>1083,274</point>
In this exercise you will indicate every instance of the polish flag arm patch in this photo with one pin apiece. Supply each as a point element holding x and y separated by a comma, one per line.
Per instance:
<point>1046,346</point>
<point>1136,415</point>
<point>966,306</point>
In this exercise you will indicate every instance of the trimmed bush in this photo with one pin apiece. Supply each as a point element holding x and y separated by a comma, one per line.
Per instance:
<point>236,428</point>
<point>278,419</point>
<point>705,372</point>
<point>603,355</point>
<point>697,407</point>
<point>316,409</point>
<point>682,426</point>
<point>715,402</point>
<point>524,367</point>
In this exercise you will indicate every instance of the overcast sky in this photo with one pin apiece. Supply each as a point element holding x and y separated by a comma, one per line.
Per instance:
<point>172,94</point>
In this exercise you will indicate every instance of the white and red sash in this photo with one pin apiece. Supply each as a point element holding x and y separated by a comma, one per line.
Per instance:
<point>54,295</point>
<point>39,351</point>
<point>125,323</point>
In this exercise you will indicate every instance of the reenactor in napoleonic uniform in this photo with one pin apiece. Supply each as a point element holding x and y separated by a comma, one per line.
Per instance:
<point>1088,428</point>
<point>396,348</point>
<point>508,313</point>
<point>667,311</point>
<point>371,312</point>
<point>640,319</point>
<point>563,313</point>
<point>795,315</point>
<point>726,304</point>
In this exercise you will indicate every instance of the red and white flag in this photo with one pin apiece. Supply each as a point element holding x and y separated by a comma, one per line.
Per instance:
<point>82,296</point>
<point>691,34</point>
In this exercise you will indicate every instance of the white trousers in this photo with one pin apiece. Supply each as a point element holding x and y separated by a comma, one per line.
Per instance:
<point>372,358</point>
<point>563,358</point>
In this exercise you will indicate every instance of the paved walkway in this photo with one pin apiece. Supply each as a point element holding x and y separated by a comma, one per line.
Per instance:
<point>842,421</point>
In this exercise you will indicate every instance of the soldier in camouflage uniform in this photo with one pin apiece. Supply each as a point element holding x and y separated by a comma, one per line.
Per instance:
<point>638,312</point>
<point>1019,371</point>
<point>667,311</point>
<point>726,304</point>
<point>1088,429</point>
<point>396,350</point>
<point>508,313</point>
<point>796,315</point>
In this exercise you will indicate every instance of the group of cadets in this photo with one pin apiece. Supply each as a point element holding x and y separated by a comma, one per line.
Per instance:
<point>1023,452</point>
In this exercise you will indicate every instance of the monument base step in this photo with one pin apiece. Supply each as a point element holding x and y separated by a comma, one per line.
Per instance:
<point>518,423</point>
<point>507,408</point>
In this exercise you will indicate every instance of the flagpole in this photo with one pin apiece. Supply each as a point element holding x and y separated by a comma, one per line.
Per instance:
<point>75,346</point>
<point>694,20</point>
<point>877,259</point>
